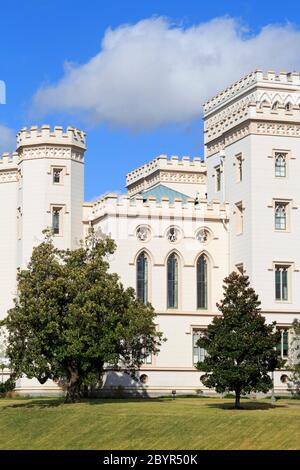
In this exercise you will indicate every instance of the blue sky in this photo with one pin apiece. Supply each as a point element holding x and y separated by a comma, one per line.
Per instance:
<point>141,93</point>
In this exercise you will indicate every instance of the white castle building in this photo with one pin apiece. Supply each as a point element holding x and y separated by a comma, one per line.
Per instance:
<point>182,226</point>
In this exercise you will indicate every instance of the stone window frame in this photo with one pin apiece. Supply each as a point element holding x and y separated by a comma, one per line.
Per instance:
<point>289,205</point>
<point>63,173</point>
<point>290,270</point>
<point>288,158</point>
<point>63,212</point>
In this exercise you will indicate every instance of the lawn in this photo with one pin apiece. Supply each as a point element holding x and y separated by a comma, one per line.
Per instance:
<point>183,423</point>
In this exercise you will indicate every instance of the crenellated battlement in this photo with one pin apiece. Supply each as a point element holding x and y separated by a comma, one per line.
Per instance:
<point>282,80</point>
<point>8,160</point>
<point>45,135</point>
<point>9,167</point>
<point>162,162</point>
<point>116,205</point>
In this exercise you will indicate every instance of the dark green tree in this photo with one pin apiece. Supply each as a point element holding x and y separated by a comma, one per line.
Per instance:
<point>240,345</point>
<point>72,318</point>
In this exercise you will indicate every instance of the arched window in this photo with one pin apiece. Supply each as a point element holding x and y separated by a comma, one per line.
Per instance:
<point>280,165</point>
<point>275,106</point>
<point>288,106</point>
<point>280,215</point>
<point>142,277</point>
<point>172,281</point>
<point>202,282</point>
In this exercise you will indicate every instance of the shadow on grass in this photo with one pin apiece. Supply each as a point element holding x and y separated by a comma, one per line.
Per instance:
<point>252,406</point>
<point>56,402</point>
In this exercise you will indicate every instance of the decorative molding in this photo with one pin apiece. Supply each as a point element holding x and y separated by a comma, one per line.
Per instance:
<point>275,128</point>
<point>282,81</point>
<point>51,152</point>
<point>253,127</point>
<point>9,176</point>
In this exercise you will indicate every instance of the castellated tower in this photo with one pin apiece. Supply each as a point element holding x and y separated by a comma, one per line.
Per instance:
<point>41,186</point>
<point>252,140</point>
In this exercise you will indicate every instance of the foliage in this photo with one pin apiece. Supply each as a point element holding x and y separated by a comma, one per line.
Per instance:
<point>7,386</point>
<point>72,317</point>
<point>240,345</point>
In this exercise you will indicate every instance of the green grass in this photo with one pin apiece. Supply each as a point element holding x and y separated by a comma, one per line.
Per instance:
<point>184,423</point>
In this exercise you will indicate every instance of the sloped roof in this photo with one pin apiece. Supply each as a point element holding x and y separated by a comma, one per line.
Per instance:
<point>161,190</point>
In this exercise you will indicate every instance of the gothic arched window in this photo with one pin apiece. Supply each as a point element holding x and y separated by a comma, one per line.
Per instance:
<point>142,277</point>
<point>172,281</point>
<point>280,165</point>
<point>202,282</point>
<point>280,215</point>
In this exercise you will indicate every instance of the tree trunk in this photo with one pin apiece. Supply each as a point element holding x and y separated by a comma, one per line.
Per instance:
<point>237,398</point>
<point>73,387</point>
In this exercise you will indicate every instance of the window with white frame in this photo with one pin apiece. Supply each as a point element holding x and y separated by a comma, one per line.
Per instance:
<point>199,354</point>
<point>280,164</point>
<point>240,268</point>
<point>283,344</point>
<point>218,178</point>
<point>281,213</point>
<point>239,168</point>
<point>142,277</point>
<point>202,282</point>
<point>239,216</point>
<point>172,281</point>
<point>148,359</point>
<point>282,274</point>
<point>57,220</point>
<point>57,175</point>
<point>288,106</point>
<point>19,223</point>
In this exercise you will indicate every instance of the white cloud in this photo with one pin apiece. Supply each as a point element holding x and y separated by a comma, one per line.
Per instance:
<point>154,72</point>
<point>7,139</point>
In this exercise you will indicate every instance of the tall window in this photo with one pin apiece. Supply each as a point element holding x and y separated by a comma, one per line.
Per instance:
<point>198,353</point>
<point>202,282</point>
<point>239,168</point>
<point>280,215</point>
<point>172,281</point>
<point>280,165</point>
<point>148,359</point>
<point>281,282</point>
<point>283,345</point>
<point>218,178</point>
<point>56,220</point>
<point>57,175</point>
<point>142,278</point>
<point>239,217</point>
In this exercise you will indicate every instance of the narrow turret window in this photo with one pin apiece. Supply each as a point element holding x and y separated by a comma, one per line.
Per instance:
<point>281,283</point>
<point>142,278</point>
<point>199,354</point>
<point>56,220</point>
<point>57,175</point>
<point>172,281</point>
<point>202,282</point>
<point>283,344</point>
<point>218,178</point>
<point>280,165</point>
<point>280,216</point>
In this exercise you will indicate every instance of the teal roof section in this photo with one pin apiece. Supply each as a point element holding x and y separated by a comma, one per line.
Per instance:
<point>160,191</point>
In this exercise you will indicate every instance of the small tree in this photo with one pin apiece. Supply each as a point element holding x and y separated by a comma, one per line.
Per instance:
<point>240,345</point>
<point>72,317</point>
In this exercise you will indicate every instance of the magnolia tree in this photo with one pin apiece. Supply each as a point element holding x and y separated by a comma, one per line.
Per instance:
<point>72,318</point>
<point>240,346</point>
